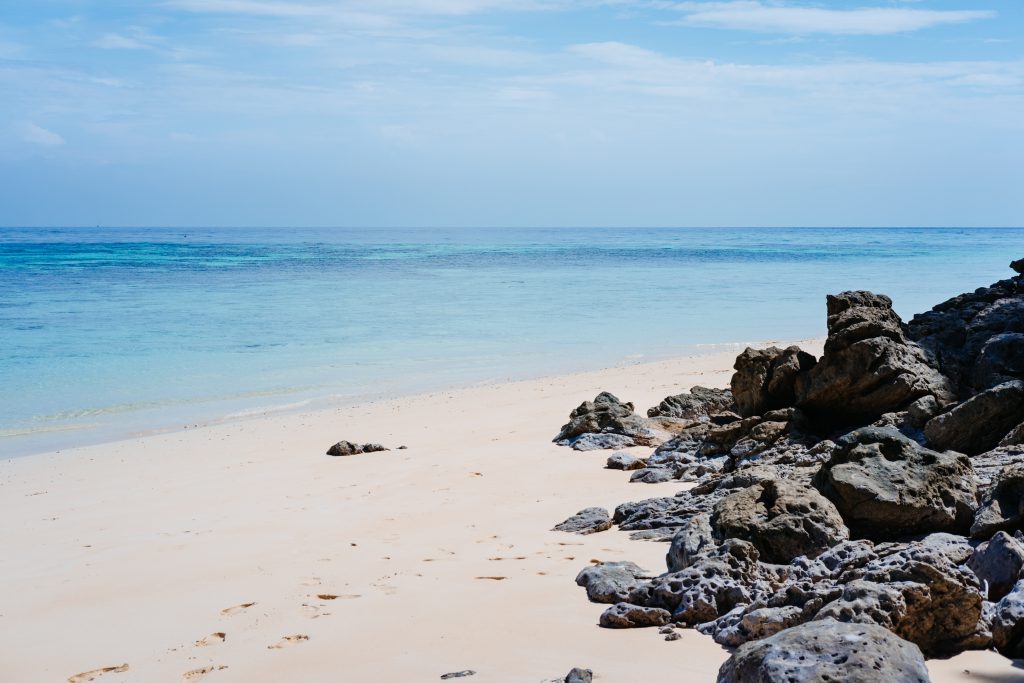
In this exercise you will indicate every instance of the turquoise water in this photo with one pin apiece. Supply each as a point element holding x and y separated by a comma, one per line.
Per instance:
<point>104,333</point>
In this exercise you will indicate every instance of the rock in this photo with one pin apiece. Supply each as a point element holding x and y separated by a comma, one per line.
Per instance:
<point>625,615</point>
<point>624,461</point>
<point>1008,623</point>
<point>765,378</point>
<point>713,585</point>
<point>919,592</point>
<point>458,674</point>
<point>981,422</point>
<point>652,475</point>
<point>977,338</point>
<point>674,635</point>
<point>887,486</point>
<point>822,651</point>
<point>998,564</point>
<point>1002,507</point>
<point>922,410</point>
<point>344,448</point>
<point>1018,266</point>
<point>578,675</point>
<point>612,582</point>
<point>607,415</point>
<point>781,518</point>
<point>869,367</point>
<point>1015,437</point>
<point>597,442</point>
<point>587,521</point>
<point>700,403</point>
<point>693,541</point>
<point>988,466</point>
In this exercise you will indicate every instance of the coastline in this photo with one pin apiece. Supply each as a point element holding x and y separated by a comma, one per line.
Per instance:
<point>129,552</point>
<point>190,415</point>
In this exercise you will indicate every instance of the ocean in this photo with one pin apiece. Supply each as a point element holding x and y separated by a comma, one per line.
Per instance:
<point>107,333</point>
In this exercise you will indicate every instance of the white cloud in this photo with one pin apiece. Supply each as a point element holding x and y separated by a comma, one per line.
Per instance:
<point>115,41</point>
<point>37,135</point>
<point>748,15</point>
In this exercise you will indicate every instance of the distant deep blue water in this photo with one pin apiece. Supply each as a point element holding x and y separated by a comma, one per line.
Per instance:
<point>104,332</point>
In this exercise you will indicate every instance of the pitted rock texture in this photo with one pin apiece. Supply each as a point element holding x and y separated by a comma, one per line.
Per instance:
<point>979,423</point>
<point>781,518</point>
<point>823,651</point>
<point>887,486</point>
<point>765,379</point>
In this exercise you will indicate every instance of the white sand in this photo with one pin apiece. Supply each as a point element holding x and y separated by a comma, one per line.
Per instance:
<point>128,553</point>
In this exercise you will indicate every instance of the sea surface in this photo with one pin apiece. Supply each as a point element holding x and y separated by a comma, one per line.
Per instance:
<point>105,333</point>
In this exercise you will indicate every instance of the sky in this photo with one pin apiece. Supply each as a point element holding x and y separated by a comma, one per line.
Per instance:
<point>382,113</point>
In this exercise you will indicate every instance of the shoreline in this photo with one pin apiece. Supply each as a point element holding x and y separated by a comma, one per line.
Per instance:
<point>433,559</point>
<point>319,402</point>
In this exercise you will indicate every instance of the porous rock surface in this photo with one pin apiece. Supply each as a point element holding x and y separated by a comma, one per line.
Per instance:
<point>822,651</point>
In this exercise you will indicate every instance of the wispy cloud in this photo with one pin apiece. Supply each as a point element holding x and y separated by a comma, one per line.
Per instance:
<point>116,41</point>
<point>776,17</point>
<point>37,135</point>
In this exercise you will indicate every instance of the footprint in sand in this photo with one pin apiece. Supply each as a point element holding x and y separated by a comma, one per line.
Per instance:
<point>196,674</point>
<point>237,608</point>
<point>313,611</point>
<point>212,639</point>
<point>288,641</point>
<point>86,676</point>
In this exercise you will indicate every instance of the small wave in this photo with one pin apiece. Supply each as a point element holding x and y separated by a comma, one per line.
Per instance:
<point>28,431</point>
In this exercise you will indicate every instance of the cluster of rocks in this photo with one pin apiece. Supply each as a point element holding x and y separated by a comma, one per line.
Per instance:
<point>346,448</point>
<point>861,510</point>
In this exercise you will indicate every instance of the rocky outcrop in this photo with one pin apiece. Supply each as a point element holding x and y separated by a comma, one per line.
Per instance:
<point>981,422</point>
<point>587,521</point>
<point>920,593</point>
<point>886,486</point>
<point>698,405</point>
<point>977,338</point>
<point>607,422</point>
<point>781,518</point>
<point>869,367</point>
<point>345,448</point>
<point>1002,507</point>
<point>765,379</point>
<point>827,650</point>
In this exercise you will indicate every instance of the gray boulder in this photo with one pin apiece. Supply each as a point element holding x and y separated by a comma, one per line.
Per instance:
<point>823,651</point>
<point>612,582</point>
<point>1008,623</point>
<point>587,521</point>
<point>693,541</point>
<point>781,518</point>
<point>887,486</point>
<point>624,461</point>
<point>869,367</point>
<point>998,564</point>
<point>1002,507</point>
<point>981,422</point>
<point>578,675</point>
<point>1015,437</point>
<point>652,475</point>
<point>598,442</point>
<point>625,615</point>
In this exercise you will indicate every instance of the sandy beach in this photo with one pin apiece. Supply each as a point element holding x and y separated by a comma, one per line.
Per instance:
<point>240,552</point>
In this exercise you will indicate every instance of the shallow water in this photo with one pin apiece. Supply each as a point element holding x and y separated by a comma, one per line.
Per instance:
<point>104,332</point>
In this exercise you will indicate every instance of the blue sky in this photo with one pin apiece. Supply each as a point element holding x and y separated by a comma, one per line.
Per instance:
<point>511,113</point>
